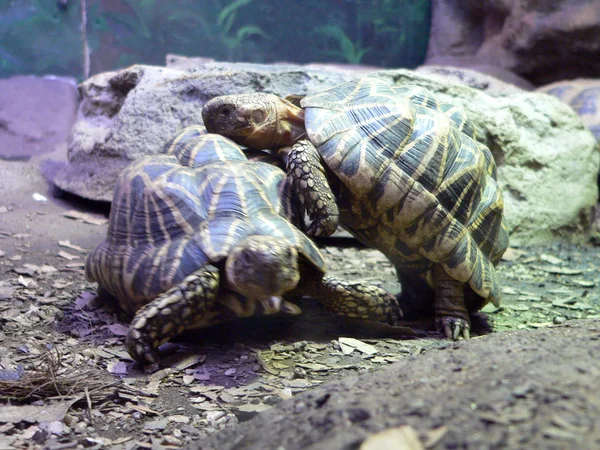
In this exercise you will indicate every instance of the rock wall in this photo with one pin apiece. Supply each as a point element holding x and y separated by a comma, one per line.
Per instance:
<point>542,40</point>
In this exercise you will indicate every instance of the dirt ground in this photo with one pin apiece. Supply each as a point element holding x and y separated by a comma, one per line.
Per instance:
<point>67,382</point>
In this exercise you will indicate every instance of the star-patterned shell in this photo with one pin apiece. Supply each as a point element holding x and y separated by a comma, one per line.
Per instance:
<point>416,184</point>
<point>176,212</point>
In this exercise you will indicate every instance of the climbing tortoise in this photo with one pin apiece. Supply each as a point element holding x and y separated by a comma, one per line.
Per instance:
<point>203,235</point>
<point>398,169</point>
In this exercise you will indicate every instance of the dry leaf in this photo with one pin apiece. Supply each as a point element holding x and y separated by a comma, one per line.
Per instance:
<point>559,270</point>
<point>66,255</point>
<point>178,418</point>
<point>26,281</point>
<point>117,367</point>
<point>551,259</point>
<point>512,254</point>
<point>67,244</point>
<point>118,329</point>
<point>34,413</point>
<point>351,344</point>
<point>434,436</point>
<point>84,217</point>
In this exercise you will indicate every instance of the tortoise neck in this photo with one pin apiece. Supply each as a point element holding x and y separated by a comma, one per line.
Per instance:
<point>290,123</point>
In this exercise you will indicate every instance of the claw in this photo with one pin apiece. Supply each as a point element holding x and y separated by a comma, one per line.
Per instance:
<point>322,227</point>
<point>453,327</point>
<point>466,334</point>
<point>447,331</point>
<point>456,331</point>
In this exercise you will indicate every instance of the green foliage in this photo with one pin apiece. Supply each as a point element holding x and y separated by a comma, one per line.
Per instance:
<point>155,28</point>
<point>234,39</point>
<point>38,36</point>
<point>349,51</point>
<point>385,25</point>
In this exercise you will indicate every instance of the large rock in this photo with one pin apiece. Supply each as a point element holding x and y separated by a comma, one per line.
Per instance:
<point>542,40</point>
<point>543,150</point>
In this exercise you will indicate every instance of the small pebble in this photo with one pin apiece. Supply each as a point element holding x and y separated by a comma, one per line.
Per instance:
<point>300,407</point>
<point>558,320</point>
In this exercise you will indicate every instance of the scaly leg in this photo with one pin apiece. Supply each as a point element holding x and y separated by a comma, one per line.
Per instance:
<point>357,299</point>
<point>310,185</point>
<point>452,316</point>
<point>189,305</point>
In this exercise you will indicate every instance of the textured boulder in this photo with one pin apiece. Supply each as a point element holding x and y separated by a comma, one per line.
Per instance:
<point>543,149</point>
<point>543,41</point>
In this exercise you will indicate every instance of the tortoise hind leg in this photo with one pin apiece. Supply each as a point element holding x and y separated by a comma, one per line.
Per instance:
<point>189,305</point>
<point>452,316</point>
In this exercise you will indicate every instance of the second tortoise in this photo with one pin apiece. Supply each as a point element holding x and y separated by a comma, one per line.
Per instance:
<point>201,236</point>
<point>399,170</point>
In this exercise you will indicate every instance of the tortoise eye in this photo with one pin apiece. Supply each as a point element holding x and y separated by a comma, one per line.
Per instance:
<point>225,112</point>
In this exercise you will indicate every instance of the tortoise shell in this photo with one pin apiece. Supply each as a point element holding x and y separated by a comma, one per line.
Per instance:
<point>174,213</point>
<point>414,182</point>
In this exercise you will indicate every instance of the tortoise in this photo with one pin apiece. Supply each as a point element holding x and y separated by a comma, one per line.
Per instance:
<point>202,235</point>
<point>583,95</point>
<point>400,171</point>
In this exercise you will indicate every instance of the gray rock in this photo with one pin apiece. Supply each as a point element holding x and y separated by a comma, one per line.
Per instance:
<point>180,62</point>
<point>543,150</point>
<point>542,41</point>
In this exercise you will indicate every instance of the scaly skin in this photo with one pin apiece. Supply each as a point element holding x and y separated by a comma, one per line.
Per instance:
<point>358,300</point>
<point>188,305</point>
<point>199,302</point>
<point>451,314</point>
<point>310,186</point>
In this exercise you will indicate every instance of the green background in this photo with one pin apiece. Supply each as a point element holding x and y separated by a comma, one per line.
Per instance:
<point>46,36</point>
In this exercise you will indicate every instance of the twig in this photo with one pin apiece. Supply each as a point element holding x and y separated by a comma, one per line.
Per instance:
<point>89,405</point>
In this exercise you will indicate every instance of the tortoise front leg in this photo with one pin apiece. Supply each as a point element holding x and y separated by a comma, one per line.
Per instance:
<point>356,299</point>
<point>309,184</point>
<point>189,305</point>
<point>452,316</point>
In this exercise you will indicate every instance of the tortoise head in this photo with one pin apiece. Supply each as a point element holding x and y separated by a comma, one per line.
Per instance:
<point>262,268</point>
<point>258,121</point>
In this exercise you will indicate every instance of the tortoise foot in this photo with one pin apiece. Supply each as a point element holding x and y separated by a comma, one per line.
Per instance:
<point>391,309</point>
<point>188,305</point>
<point>453,327</point>
<point>142,350</point>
